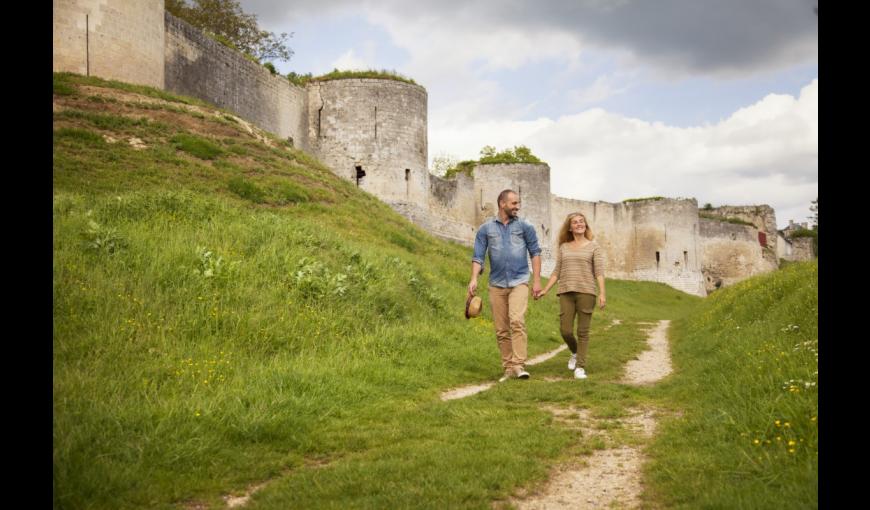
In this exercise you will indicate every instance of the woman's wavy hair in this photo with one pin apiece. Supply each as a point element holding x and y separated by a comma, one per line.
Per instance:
<point>565,234</point>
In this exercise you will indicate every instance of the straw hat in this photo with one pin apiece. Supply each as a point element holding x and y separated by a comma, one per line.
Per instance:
<point>472,306</point>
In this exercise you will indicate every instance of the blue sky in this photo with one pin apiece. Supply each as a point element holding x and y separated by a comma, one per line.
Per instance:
<point>623,98</point>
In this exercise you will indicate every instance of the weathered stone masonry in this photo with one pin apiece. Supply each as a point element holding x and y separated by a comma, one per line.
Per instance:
<point>113,39</point>
<point>196,65</point>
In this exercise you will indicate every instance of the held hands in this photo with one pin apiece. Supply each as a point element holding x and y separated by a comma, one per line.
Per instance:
<point>539,293</point>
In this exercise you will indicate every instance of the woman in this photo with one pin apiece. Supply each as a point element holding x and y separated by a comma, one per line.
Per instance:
<point>579,263</point>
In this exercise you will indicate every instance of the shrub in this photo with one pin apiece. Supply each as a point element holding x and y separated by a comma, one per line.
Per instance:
<point>489,156</point>
<point>289,192</point>
<point>102,238</point>
<point>736,221</point>
<point>247,190</point>
<point>629,200</point>
<point>299,79</point>
<point>270,67</point>
<point>196,146</point>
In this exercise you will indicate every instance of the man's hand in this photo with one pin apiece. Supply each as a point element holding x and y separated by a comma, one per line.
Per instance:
<point>541,294</point>
<point>536,289</point>
<point>472,288</point>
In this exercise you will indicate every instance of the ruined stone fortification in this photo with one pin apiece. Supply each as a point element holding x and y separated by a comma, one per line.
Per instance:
<point>373,132</point>
<point>113,39</point>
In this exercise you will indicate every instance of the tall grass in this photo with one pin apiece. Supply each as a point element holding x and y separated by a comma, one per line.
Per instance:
<point>748,383</point>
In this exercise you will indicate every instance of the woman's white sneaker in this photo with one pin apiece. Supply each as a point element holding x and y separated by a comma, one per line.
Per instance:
<point>572,362</point>
<point>579,373</point>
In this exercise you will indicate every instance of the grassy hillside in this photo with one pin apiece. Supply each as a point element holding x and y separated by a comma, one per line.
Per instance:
<point>748,364</point>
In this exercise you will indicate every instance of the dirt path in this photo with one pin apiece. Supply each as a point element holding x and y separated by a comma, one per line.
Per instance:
<point>610,477</point>
<point>472,389</point>
<point>654,364</point>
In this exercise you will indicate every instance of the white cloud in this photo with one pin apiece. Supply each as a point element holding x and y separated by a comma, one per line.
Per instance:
<point>765,153</point>
<point>349,61</point>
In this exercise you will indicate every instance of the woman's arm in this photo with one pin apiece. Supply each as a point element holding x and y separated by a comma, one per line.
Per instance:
<point>552,281</point>
<point>554,276</point>
<point>598,271</point>
<point>602,299</point>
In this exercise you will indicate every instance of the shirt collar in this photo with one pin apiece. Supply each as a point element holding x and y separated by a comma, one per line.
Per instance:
<point>510,220</point>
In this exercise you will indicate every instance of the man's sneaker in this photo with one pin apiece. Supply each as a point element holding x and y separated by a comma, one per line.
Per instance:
<point>507,375</point>
<point>572,362</point>
<point>522,374</point>
<point>579,373</point>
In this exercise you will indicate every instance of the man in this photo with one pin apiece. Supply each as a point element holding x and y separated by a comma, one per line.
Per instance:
<point>508,239</point>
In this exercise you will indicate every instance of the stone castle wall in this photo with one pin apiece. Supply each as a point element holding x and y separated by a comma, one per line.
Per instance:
<point>453,200</point>
<point>113,39</point>
<point>731,253</point>
<point>197,65</point>
<point>802,249</point>
<point>652,240</point>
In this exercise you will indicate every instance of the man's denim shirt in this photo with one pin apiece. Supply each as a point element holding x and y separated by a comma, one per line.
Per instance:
<point>507,245</point>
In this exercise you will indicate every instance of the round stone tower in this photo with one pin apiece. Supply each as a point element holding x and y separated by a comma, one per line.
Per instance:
<point>373,133</point>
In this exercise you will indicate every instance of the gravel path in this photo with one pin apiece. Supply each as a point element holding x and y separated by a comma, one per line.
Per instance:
<point>610,477</point>
<point>654,364</point>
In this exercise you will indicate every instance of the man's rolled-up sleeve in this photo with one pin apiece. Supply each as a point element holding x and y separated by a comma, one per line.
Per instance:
<point>531,240</point>
<point>480,245</point>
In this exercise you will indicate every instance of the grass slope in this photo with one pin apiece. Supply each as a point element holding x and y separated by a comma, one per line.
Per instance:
<point>748,365</point>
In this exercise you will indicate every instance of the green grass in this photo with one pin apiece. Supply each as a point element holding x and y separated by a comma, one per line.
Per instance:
<point>335,74</point>
<point>489,156</point>
<point>246,189</point>
<point>205,342</point>
<point>196,146</point>
<point>629,200</point>
<point>748,384</point>
<point>71,80</point>
<point>736,221</point>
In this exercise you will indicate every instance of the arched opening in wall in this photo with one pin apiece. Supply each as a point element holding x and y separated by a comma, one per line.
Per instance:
<point>360,173</point>
<point>658,258</point>
<point>407,182</point>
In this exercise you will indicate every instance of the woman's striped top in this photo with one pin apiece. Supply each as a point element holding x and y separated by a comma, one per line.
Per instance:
<point>577,269</point>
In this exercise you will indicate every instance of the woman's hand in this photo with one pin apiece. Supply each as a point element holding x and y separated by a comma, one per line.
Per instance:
<point>541,293</point>
<point>601,301</point>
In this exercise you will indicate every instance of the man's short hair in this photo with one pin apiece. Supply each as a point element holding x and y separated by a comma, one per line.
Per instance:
<point>503,195</point>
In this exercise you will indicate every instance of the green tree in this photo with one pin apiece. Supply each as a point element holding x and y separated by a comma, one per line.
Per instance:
<point>488,151</point>
<point>229,23</point>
